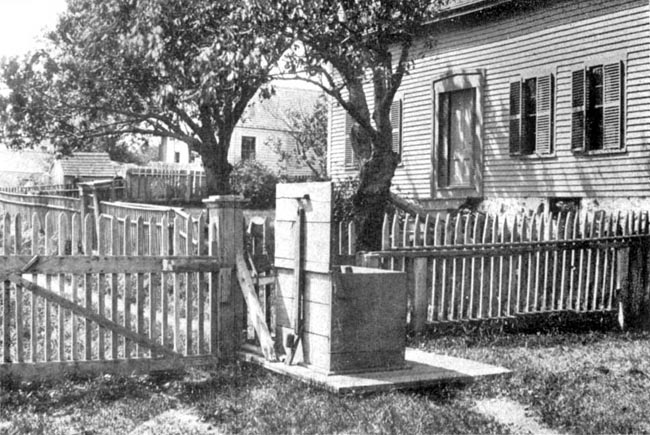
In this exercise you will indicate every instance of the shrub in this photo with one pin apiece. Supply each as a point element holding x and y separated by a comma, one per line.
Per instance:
<point>256,182</point>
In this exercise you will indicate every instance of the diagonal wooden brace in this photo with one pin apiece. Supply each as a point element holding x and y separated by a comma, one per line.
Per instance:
<point>88,314</point>
<point>254,308</point>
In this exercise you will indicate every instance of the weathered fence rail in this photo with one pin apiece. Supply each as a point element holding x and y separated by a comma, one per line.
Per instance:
<point>153,184</point>
<point>464,266</point>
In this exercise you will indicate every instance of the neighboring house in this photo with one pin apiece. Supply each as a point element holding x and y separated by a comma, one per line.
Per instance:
<point>523,103</point>
<point>83,166</point>
<point>263,122</point>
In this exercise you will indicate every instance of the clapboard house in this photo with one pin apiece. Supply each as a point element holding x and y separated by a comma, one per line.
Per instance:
<point>522,102</point>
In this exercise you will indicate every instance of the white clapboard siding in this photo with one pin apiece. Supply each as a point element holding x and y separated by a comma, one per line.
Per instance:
<point>560,36</point>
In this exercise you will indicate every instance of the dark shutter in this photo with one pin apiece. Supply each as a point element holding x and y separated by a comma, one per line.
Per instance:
<point>612,107</point>
<point>578,98</point>
<point>396,124</point>
<point>443,139</point>
<point>349,152</point>
<point>544,136</point>
<point>515,118</point>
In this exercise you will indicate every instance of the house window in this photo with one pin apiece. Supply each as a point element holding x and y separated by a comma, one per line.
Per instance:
<point>247,148</point>
<point>597,108</point>
<point>531,116</point>
<point>457,140</point>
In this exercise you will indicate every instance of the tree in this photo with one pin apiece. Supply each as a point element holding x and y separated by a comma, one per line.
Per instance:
<point>308,129</point>
<point>350,47</point>
<point>182,69</point>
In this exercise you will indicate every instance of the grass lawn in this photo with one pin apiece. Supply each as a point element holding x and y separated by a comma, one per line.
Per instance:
<point>578,383</point>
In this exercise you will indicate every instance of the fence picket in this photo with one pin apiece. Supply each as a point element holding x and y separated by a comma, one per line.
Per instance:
<point>88,291</point>
<point>502,238</point>
<point>49,250</point>
<point>33,333</point>
<point>115,246</point>
<point>482,270</point>
<point>454,271</point>
<point>153,249</point>
<point>139,285</point>
<point>164,295</point>
<point>530,275</point>
<point>434,270</point>
<point>18,242</point>
<point>446,241</point>
<point>188,289</point>
<point>463,277</point>
<point>126,297</point>
<point>472,278</point>
<point>63,237</point>
<point>177,286</point>
<point>201,285</point>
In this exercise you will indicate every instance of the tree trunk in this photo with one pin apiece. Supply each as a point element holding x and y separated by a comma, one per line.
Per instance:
<point>217,168</point>
<point>371,197</point>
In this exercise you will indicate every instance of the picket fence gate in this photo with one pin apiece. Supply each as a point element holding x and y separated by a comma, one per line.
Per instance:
<point>138,298</point>
<point>472,266</point>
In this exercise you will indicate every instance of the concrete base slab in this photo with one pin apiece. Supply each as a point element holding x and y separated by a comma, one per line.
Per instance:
<point>423,369</point>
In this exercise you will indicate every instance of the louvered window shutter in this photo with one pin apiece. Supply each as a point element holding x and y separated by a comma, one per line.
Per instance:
<point>544,136</point>
<point>349,152</point>
<point>578,98</point>
<point>612,107</point>
<point>396,124</point>
<point>515,118</point>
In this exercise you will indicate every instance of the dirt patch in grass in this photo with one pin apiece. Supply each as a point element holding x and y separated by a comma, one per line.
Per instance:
<point>513,415</point>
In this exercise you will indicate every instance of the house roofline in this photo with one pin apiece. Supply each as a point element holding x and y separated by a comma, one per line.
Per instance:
<point>466,9</point>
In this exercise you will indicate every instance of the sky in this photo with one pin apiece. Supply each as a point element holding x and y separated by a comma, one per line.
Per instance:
<point>22,22</point>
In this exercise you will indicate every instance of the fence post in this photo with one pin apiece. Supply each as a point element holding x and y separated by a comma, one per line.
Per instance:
<point>633,283</point>
<point>226,239</point>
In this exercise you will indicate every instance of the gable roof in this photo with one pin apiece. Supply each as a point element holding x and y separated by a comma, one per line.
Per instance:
<point>88,164</point>
<point>271,114</point>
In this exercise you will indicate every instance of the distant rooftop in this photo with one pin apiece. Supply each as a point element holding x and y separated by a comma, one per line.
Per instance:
<point>89,164</point>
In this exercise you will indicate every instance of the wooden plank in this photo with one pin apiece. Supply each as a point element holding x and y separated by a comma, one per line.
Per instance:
<point>139,285</point>
<point>88,240</point>
<point>582,254</point>
<point>463,274</point>
<point>420,296</point>
<point>114,250</point>
<point>33,333</point>
<point>297,288</point>
<point>6,317</point>
<point>18,242</point>
<point>95,264</point>
<point>539,232</point>
<point>443,275</point>
<point>472,279</point>
<point>587,287</point>
<point>454,271</point>
<point>520,266</point>
<point>258,319</point>
<point>606,266</point>
<point>511,268</point>
<point>201,286</point>
<point>127,249</point>
<point>62,237</point>
<point>597,270</point>
<point>493,278</point>
<point>481,287</point>
<point>434,269</point>
<point>530,275</point>
<point>152,249</point>
<point>49,249</point>
<point>164,295</point>
<point>89,314</point>
<point>177,286</point>
<point>189,279</point>
<point>574,235</point>
<point>563,273</point>
<point>547,234</point>
<point>502,239</point>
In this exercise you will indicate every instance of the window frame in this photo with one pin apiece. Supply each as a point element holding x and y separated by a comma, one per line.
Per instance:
<point>521,78</point>
<point>616,60</point>
<point>248,140</point>
<point>458,80</point>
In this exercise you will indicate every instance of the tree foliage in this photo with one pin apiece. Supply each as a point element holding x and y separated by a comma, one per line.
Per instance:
<point>182,69</point>
<point>308,129</point>
<point>359,51</point>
